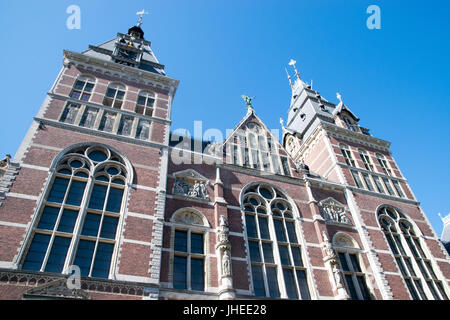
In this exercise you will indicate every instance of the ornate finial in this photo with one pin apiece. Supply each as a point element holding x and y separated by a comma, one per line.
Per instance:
<point>292,63</point>
<point>141,13</point>
<point>282,122</point>
<point>248,100</point>
<point>338,95</point>
<point>289,77</point>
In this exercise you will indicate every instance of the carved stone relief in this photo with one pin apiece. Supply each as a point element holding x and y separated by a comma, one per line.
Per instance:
<point>333,211</point>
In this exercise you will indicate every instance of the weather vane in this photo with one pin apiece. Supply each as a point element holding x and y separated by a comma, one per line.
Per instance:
<point>292,63</point>
<point>141,13</point>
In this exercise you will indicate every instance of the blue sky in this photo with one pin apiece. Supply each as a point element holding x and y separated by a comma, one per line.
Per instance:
<point>395,79</point>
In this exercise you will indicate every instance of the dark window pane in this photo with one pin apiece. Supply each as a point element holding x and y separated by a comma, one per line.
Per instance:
<point>79,85</point>
<point>58,253</point>
<point>284,255</point>
<point>76,193</point>
<point>48,218</point>
<point>114,200</point>
<point>179,272</point>
<point>401,266</point>
<point>351,287</point>
<point>391,243</point>
<point>279,230</point>
<point>141,100</point>
<point>143,130</point>
<point>251,226</point>
<point>197,275</point>
<point>83,258</point>
<point>303,284</point>
<point>285,163</point>
<point>297,255</point>
<point>98,197</point>
<point>355,263</point>
<point>91,224</point>
<point>357,179</point>
<point>180,241</point>
<point>272,281</point>
<point>68,219</point>
<point>255,256</point>
<point>433,290</point>
<point>410,266</point>
<point>419,287</point>
<point>268,253</point>
<point>411,289</point>
<point>36,253</point>
<point>363,287</point>
<point>343,261</point>
<point>291,232</point>
<point>441,290</point>
<point>264,228</point>
<point>109,227</point>
<point>289,280</point>
<point>102,260</point>
<point>430,269</point>
<point>258,281</point>
<point>98,156</point>
<point>110,93</point>
<point>85,97</point>
<point>196,243</point>
<point>58,190</point>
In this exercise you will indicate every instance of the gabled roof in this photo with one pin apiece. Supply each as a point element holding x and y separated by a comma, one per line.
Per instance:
<point>342,107</point>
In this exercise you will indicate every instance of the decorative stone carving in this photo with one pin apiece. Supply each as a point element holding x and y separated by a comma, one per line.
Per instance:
<point>333,211</point>
<point>191,184</point>
<point>4,164</point>
<point>188,217</point>
<point>56,290</point>
<point>332,264</point>
<point>223,251</point>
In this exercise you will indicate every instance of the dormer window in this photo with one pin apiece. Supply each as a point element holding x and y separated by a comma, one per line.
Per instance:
<point>350,124</point>
<point>114,96</point>
<point>82,88</point>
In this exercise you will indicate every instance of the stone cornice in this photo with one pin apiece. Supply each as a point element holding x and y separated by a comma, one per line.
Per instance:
<point>125,72</point>
<point>356,137</point>
<point>98,133</point>
<point>384,196</point>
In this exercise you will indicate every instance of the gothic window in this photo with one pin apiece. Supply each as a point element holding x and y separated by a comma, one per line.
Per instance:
<point>82,88</point>
<point>406,246</point>
<point>388,186</point>
<point>107,122</point>
<point>126,122</point>
<point>378,184</point>
<point>367,181</point>
<point>384,164</point>
<point>189,250</point>
<point>254,148</point>
<point>145,103</point>
<point>347,155</point>
<point>366,159</point>
<point>398,188</point>
<point>276,256</point>
<point>79,218</point>
<point>114,96</point>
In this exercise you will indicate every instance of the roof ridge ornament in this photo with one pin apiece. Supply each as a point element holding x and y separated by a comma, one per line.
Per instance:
<point>293,63</point>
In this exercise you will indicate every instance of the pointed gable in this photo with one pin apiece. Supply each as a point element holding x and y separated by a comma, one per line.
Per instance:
<point>251,144</point>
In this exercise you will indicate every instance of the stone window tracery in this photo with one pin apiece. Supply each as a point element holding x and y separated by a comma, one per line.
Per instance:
<point>409,252</point>
<point>276,256</point>
<point>80,215</point>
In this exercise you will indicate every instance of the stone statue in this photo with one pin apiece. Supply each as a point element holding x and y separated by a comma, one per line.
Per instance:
<point>337,276</point>
<point>248,100</point>
<point>226,264</point>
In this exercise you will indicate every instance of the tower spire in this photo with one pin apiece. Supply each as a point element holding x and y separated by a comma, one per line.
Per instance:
<point>141,13</point>
<point>289,77</point>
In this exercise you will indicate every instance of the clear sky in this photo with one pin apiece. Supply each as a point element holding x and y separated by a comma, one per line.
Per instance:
<point>396,79</point>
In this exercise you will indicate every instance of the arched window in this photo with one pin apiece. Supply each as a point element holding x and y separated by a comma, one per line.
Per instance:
<point>114,96</point>
<point>145,103</point>
<point>350,124</point>
<point>384,164</point>
<point>78,220</point>
<point>189,250</point>
<point>351,266</point>
<point>366,159</point>
<point>347,154</point>
<point>277,266</point>
<point>82,88</point>
<point>406,246</point>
